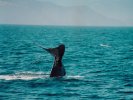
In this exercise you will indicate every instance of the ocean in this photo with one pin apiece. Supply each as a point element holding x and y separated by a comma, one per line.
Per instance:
<point>98,63</point>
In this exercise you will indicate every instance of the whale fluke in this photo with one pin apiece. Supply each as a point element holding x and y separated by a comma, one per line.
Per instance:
<point>58,52</point>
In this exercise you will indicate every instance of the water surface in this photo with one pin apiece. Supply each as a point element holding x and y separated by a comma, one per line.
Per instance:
<point>98,62</point>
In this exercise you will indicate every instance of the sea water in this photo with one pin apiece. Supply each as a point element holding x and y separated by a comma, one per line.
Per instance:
<point>98,62</point>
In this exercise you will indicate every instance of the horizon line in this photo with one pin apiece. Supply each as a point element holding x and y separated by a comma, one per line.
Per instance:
<point>66,25</point>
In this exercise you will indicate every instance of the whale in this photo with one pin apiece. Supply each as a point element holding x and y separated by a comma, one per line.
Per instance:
<point>58,69</point>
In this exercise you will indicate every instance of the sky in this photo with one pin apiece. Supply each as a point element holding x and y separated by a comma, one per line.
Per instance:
<point>67,12</point>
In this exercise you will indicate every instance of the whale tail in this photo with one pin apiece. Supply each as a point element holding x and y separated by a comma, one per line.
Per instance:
<point>58,52</point>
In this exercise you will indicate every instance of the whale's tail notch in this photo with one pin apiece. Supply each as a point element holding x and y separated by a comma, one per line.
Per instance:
<point>57,52</point>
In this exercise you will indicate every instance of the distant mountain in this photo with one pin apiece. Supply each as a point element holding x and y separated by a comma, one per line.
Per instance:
<point>46,13</point>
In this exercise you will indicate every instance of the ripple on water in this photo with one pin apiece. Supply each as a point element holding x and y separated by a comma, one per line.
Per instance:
<point>99,66</point>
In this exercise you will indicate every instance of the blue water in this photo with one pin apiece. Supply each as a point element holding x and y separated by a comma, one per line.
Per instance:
<point>98,62</point>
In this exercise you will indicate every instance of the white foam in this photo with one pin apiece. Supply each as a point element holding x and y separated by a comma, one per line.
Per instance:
<point>24,76</point>
<point>76,77</point>
<point>104,45</point>
<point>33,75</point>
